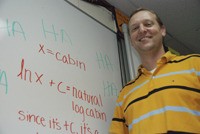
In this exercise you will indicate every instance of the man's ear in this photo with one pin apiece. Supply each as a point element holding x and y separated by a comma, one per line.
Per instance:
<point>163,30</point>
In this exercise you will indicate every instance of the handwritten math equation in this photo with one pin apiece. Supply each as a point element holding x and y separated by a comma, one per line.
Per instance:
<point>53,123</point>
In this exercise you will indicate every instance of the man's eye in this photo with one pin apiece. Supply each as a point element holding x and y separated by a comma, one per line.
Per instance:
<point>149,24</point>
<point>134,29</point>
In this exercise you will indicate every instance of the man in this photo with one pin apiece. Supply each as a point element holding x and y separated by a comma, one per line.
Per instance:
<point>165,96</point>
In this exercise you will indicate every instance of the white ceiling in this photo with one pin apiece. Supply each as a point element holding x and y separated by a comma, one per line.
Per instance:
<point>181,18</point>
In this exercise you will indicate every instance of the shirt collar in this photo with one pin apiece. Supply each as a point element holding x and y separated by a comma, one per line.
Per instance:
<point>164,59</point>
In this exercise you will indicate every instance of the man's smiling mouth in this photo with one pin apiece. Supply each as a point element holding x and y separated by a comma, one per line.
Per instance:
<point>144,38</point>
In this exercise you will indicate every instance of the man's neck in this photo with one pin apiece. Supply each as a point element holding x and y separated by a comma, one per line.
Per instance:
<point>149,61</point>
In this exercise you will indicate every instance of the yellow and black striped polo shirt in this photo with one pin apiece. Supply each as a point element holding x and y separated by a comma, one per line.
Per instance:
<point>167,101</point>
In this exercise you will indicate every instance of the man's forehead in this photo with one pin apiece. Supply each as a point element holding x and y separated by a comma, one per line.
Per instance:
<point>142,16</point>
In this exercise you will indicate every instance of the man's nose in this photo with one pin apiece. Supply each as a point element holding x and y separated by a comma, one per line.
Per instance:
<point>142,29</point>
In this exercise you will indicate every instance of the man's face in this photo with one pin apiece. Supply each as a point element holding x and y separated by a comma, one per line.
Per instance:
<point>145,32</point>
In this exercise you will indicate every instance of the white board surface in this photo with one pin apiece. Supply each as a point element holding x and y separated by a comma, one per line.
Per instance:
<point>59,70</point>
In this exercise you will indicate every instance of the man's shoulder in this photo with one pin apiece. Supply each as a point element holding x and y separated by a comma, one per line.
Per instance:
<point>185,57</point>
<point>132,83</point>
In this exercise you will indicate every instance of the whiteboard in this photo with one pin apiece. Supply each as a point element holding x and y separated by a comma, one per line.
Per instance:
<point>59,70</point>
